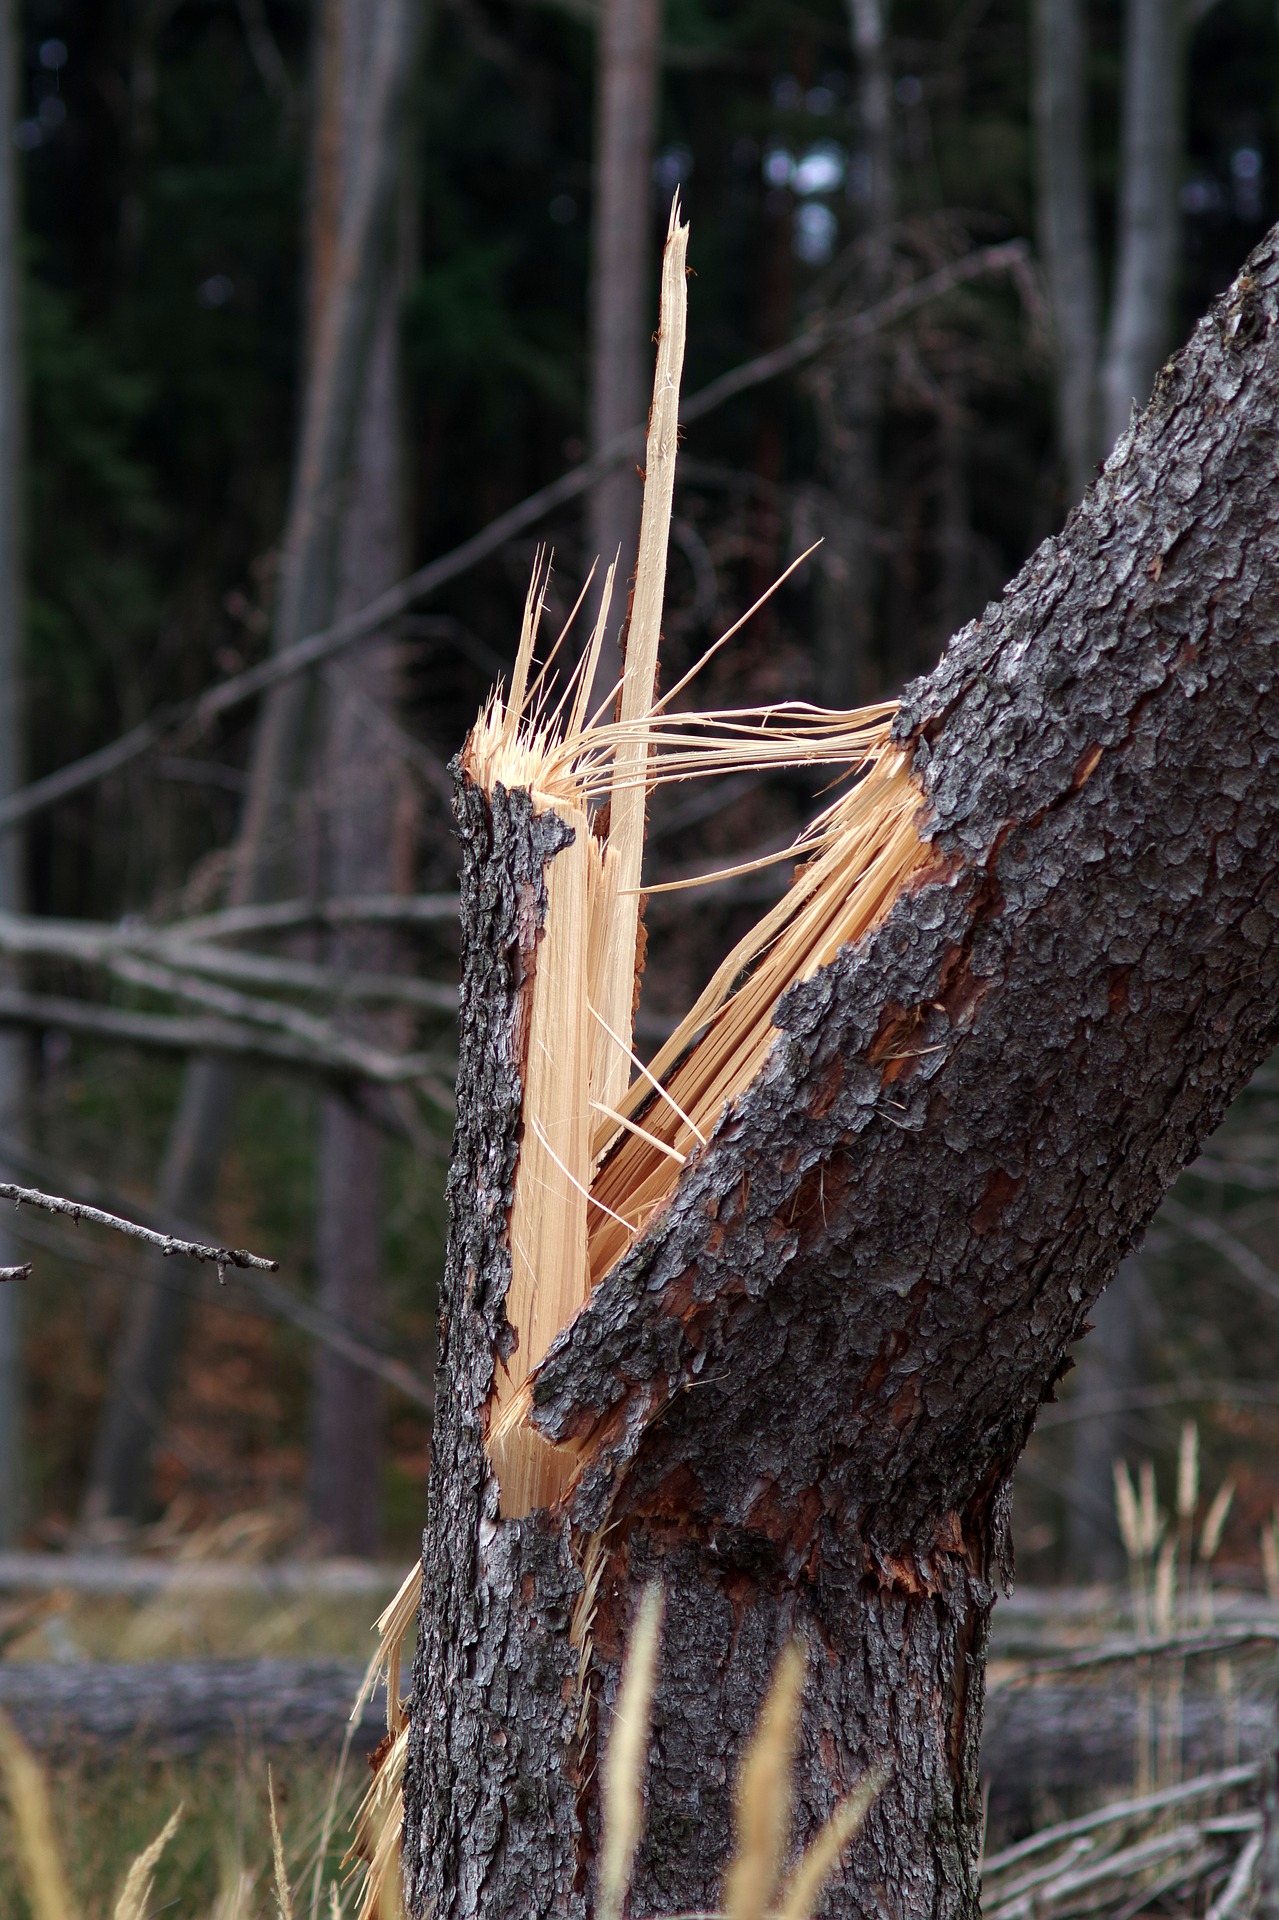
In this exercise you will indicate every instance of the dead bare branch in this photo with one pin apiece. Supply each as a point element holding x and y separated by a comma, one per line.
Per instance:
<point>175,1033</point>
<point>167,1243</point>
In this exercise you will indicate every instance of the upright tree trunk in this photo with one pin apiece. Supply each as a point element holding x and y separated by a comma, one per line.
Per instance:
<point>340,342</point>
<point>1110,1365</point>
<point>1066,236</point>
<point>622,301</point>
<point>849,394</point>
<point>798,1399</point>
<point>12,1044</point>
<point>1146,234</point>
<point>357,790</point>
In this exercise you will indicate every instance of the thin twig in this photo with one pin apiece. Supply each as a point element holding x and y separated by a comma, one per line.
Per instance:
<point>1109,1653</point>
<point>1122,1811</point>
<point>167,1243</point>
<point>101,943</point>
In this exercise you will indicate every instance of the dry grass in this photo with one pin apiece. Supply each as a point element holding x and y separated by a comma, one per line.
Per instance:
<point>107,1813</point>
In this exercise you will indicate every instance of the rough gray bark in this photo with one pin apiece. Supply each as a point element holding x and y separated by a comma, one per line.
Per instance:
<point>799,1398</point>
<point>12,1045</point>
<point>621,297</point>
<point>848,390</point>
<point>1066,237</point>
<point>1147,228</point>
<point>338,359</point>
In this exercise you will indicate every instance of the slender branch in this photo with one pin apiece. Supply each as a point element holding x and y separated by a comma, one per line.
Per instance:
<point>1248,1265</point>
<point>1115,1652</point>
<point>272,1296</point>
<point>438,995</point>
<point>373,1063</point>
<point>194,717</point>
<point>167,1243</point>
<point>1120,1811</point>
<point>173,1033</point>
<point>281,916</point>
<point>100,943</point>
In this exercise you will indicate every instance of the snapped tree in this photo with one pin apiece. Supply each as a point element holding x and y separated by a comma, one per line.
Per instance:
<point>810,1355</point>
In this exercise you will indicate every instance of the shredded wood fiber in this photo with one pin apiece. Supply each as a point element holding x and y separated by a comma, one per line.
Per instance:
<point>605,1138</point>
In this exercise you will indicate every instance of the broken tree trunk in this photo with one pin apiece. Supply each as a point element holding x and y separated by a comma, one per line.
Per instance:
<point>797,1398</point>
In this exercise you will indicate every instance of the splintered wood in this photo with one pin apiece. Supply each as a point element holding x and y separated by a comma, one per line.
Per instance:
<point>604,1136</point>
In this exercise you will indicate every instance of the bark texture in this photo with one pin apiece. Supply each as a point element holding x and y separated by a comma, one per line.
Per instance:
<point>798,1399</point>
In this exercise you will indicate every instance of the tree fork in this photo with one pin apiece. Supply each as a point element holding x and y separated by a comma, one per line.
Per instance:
<point>798,1399</point>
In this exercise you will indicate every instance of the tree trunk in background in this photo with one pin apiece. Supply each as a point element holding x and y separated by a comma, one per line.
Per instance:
<point>357,787</point>
<point>1110,1365</point>
<point>12,469</point>
<point>849,395</point>
<point>1147,229</point>
<point>799,1398</point>
<point>622,300</point>
<point>340,341</point>
<point>1066,237</point>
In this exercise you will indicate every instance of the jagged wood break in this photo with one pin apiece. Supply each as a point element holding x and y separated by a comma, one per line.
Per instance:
<point>602,1144</point>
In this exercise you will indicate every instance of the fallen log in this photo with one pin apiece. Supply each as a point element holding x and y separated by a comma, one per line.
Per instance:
<point>177,1707</point>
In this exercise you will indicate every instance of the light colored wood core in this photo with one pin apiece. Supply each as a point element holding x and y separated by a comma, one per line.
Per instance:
<point>603,1147</point>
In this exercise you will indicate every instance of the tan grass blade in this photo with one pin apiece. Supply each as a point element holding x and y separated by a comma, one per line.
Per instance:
<point>283,1892</point>
<point>762,1811</point>
<point>799,1901</point>
<point>626,1760</point>
<point>615,989</point>
<point>1188,1470</point>
<point>1127,1511</point>
<point>135,1895</point>
<point>1215,1520</point>
<point>39,1851</point>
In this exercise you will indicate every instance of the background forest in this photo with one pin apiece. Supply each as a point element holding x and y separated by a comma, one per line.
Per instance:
<point>185,172</point>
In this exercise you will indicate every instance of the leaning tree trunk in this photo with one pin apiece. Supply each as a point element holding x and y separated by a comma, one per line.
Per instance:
<point>799,1398</point>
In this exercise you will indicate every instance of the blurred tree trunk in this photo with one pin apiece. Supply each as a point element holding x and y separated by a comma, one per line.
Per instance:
<point>798,1399</point>
<point>1147,232</point>
<point>1110,1366</point>
<point>1096,388</point>
<point>12,470</point>
<point>357,788</point>
<point>849,394</point>
<point>622,303</point>
<point>1066,237</point>
<point>340,337</point>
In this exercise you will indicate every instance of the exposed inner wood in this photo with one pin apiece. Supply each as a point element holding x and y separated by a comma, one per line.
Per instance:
<point>569,1224</point>
<point>601,1149</point>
